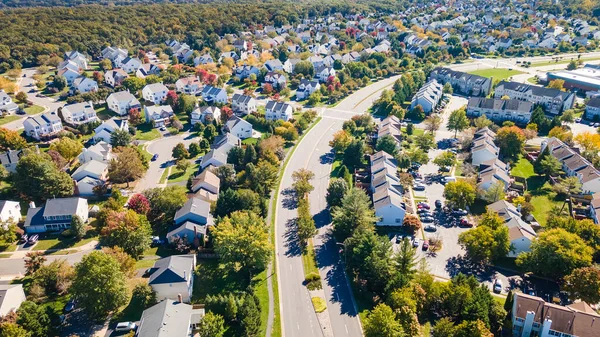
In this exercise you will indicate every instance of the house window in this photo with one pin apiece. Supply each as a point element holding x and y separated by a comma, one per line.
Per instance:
<point>398,220</point>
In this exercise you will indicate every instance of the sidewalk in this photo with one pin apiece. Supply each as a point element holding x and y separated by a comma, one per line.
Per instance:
<point>20,254</point>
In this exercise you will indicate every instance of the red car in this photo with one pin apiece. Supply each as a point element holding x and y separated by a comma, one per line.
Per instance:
<point>426,245</point>
<point>465,223</point>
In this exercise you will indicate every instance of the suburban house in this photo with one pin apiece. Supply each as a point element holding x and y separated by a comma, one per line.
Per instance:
<point>155,93</point>
<point>10,211</point>
<point>390,126</point>
<point>115,77</point>
<point>532,316</point>
<point>226,142</point>
<point>243,104</point>
<point>220,148</point>
<point>324,72</point>
<point>592,109</point>
<point>244,71</point>
<point>214,158</point>
<point>173,276</point>
<point>574,164</point>
<point>121,102</point>
<point>484,148</point>
<point>79,113</point>
<point>147,69</point>
<point>191,222</point>
<point>11,297</point>
<point>101,151</point>
<point>520,233</point>
<point>69,74</point>
<point>386,190</point>
<point>43,126</point>
<point>213,95</point>
<point>158,115</point>
<point>553,100</point>
<point>84,85</point>
<point>105,130</point>
<point>169,318</point>
<point>188,85</point>
<point>203,59</point>
<point>428,96</point>
<point>10,159</point>
<point>238,127</point>
<point>112,53</point>
<point>273,65</point>
<point>6,103</point>
<point>55,215</point>
<point>205,114</point>
<point>492,172</point>
<point>78,58</point>
<point>276,80</point>
<point>305,88</point>
<point>290,64</point>
<point>499,110</point>
<point>278,110</point>
<point>462,82</point>
<point>206,186</point>
<point>68,64</point>
<point>595,208</point>
<point>131,64</point>
<point>88,176</point>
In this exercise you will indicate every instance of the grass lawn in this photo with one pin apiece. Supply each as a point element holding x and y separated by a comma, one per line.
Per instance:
<point>59,242</point>
<point>250,141</point>
<point>8,119</point>
<point>133,310</point>
<point>496,73</point>
<point>146,132</point>
<point>319,304</point>
<point>416,131</point>
<point>7,248</point>
<point>146,154</point>
<point>103,113</point>
<point>523,168</point>
<point>33,110</point>
<point>335,167</point>
<point>309,260</point>
<point>178,176</point>
<point>500,299</point>
<point>543,204</point>
<point>563,61</point>
<point>144,264</point>
<point>532,80</point>
<point>165,175</point>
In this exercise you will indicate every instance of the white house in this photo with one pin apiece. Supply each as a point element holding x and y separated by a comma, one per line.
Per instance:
<point>206,186</point>
<point>239,127</point>
<point>324,72</point>
<point>155,93</point>
<point>84,84</point>
<point>213,95</point>
<point>10,211</point>
<point>43,126</point>
<point>205,114</point>
<point>305,88</point>
<point>484,149</point>
<point>173,276</point>
<point>79,113</point>
<point>521,234</point>
<point>147,69</point>
<point>115,77</point>
<point>387,190</point>
<point>428,96</point>
<point>191,222</point>
<point>78,58</point>
<point>6,103</point>
<point>11,297</point>
<point>88,176</point>
<point>592,108</point>
<point>122,102</point>
<point>278,110</point>
<point>69,74</point>
<point>10,159</point>
<point>55,215</point>
<point>105,130</point>
<point>170,318</point>
<point>158,115</point>
<point>553,100</point>
<point>188,85</point>
<point>214,158</point>
<point>273,65</point>
<point>243,104</point>
<point>131,64</point>
<point>101,151</point>
<point>203,59</point>
<point>276,80</point>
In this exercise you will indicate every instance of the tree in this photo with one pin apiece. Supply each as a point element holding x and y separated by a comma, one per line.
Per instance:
<point>250,316</point>
<point>458,121</point>
<point>99,285</point>
<point>105,64</point>
<point>139,204</point>
<point>67,147</point>
<point>302,178</point>
<point>128,230</point>
<point>572,65</point>
<point>8,329</point>
<point>562,133</point>
<point>495,192</point>
<point>242,241</point>
<point>305,222</point>
<point>448,88</point>
<point>194,150</point>
<point>381,322</point>
<point>232,200</point>
<point>590,144</point>
<point>59,82</point>
<point>34,319</point>
<point>135,116</point>
<point>212,325</point>
<point>125,260</point>
<point>354,212</point>
<point>557,84</point>
<point>388,144</point>
<point>425,142</point>
<point>8,233</point>
<point>180,152</point>
<point>412,223</point>
<point>510,140</point>
<point>482,122</point>
<point>460,193</point>
<point>134,84</point>
<point>488,241</point>
<point>120,138</point>
<point>550,166</point>
<point>127,167</point>
<point>78,227</point>
<point>433,123</point>
<point>172,99</point>
<point>556,253</point>
<point>568,116</point>
<point>445,159</point>
<point>11,140</point>
<point>341,140</point>
<point>262,176</point>
<point>164,202</point>
<point>305,68</point>
<point>186,103</point>
<point>336,191</point>
<point>21,97</point>
<point>584,284</point>
<point>568,186</point>
<point>406,260</point>
<point>37,177</point>
<point>210,132</point>
<point>33,262</point>
<point>250,155</point>
<point>444,328</point>
<point>314,98</point>
<point>183,165</point>
<point>226,175</point>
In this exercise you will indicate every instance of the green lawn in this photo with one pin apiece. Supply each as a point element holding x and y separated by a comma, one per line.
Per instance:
<point>146,154</point>
<point>59,242</point>
<point>7,248</point>
<point>103,113</point>
<point>523,168</point>
<point>250,141</point>
<point>146,132</point>
<point>532,80</point>
<point>309,260</point>
<point>496,73</point>
<point>335,167</point>
<point>164,176</point>
<point>144,264</point>
<point>8,119</point>
<point>33,110</point>
<point>178,176</point>
<point>563,61</point>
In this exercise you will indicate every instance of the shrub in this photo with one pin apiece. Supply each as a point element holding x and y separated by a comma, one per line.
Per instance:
<point>313,281</point>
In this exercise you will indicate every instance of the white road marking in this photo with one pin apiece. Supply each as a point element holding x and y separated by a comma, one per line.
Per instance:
<point>345,326</point>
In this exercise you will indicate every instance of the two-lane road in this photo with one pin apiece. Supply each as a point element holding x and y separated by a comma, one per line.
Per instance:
<point>314,153</point>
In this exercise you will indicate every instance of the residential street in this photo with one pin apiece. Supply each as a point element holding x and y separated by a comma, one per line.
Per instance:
<point>314,153</point>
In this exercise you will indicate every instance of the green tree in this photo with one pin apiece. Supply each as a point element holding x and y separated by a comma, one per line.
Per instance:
<point>305,68</point>
<point>556,253</point>
<point>406,261</point>
<point>8,329</point>
<point>21,97</point>
<point>134,84</point>
<point>180,152</point>
<point>345,174</point>
<point>59,82</point>
<point>33,262</point>
<point>250,155</point>
<point>183,165</point>
<point>550,166</point>
<point>458,121</point>
<point>444,328</point>
<point>482,122</point>
<point>445,159</point>
<point>37,177</point>
<point>460,193</point>
<point>212,325</point>
<point>488,241</point>
<point>572,65</point>
<point>495,192</point>
<point>120,138</point>
<point>250,316</point>
<point>448,88</point>
<point>302,178</point>
<point>99,285</point>
<point>354,154</point>
<point>164,202</point>
<point>242,241</point>
<point>127,167</point>
<point>381,322</point>
<point>388,144</point>
<point>305,222</point>
<point>354,212</point>
<point>568,186</point>
<point>510,140</point>
<point>425,142</point>
<point>78,227</point>
<point>210,132</point>
<point>194,150</point>
<point>433,123</point>
<point>336,191</point>
<point>584,284</point>
<point>34,319</point>
<point>186,103</point>
<point>262,176</point>
<point>128,230</point>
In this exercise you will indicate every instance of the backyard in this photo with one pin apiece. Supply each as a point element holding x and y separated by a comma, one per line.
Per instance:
<point>496,73</point>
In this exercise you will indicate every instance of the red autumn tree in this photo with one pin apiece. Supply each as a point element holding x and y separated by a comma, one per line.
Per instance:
<point>139,204</point>
<point>172,99</point>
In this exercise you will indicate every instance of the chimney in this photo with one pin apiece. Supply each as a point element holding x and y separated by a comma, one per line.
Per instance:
<point>184,275</point>
<point>180,298</point>
<point>31,204</point>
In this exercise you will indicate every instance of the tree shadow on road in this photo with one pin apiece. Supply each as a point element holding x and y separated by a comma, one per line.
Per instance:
<point>289,200</point>
<point>322,218</point>
<point>292,243</point>
<point>463,265</point>
<point>327,158</point>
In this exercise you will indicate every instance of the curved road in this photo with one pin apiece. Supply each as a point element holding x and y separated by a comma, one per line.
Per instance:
<point>314,153</point>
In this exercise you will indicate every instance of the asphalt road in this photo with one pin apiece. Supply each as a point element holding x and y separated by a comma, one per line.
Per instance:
<point>12,268</point>
<point>314,153</point>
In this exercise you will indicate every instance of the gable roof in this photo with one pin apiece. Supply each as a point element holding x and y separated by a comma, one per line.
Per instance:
<point>172,269</point>
<point>194,206</point>
<point>168,318</point>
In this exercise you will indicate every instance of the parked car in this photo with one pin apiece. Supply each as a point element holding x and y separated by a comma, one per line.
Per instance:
<point>33,239</point>
<point>431,228</point>
<point>416,242</point>
<point>438,204</point>
<point>155,157</point>
<point>423,206</point>
<point>425,245</point>
<point>444,169</point>
<point>125,326</point>
<point>399,238</point>
<point>157,241</point>
<point>425,214</point>
<point>162,128</point>
<point>427,219</point>
<point>24,238</point>
<point>577,120</point>
<point>70,305</point>
<point>465,223</point>
<point>419,187</point>
<point>423,210</point>
<point>498,286</point>
<point>459,212</point>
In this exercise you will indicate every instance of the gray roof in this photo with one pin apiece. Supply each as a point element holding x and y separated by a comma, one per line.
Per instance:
<point>62,206</point>
<point>277,106</point>
<point>233,121</point>
<point>194,206</point>
<point>123,96</point>
<point>239,98</point>
<point>226,138</point>
<point>172,269</point>
<point>168,319</point>
<point>47,118</point>
<point>10,157</point>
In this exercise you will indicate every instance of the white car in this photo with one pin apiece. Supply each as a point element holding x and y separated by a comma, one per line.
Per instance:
<point>125,326</point>
<point>498,286</point>
<point>416,242</point>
